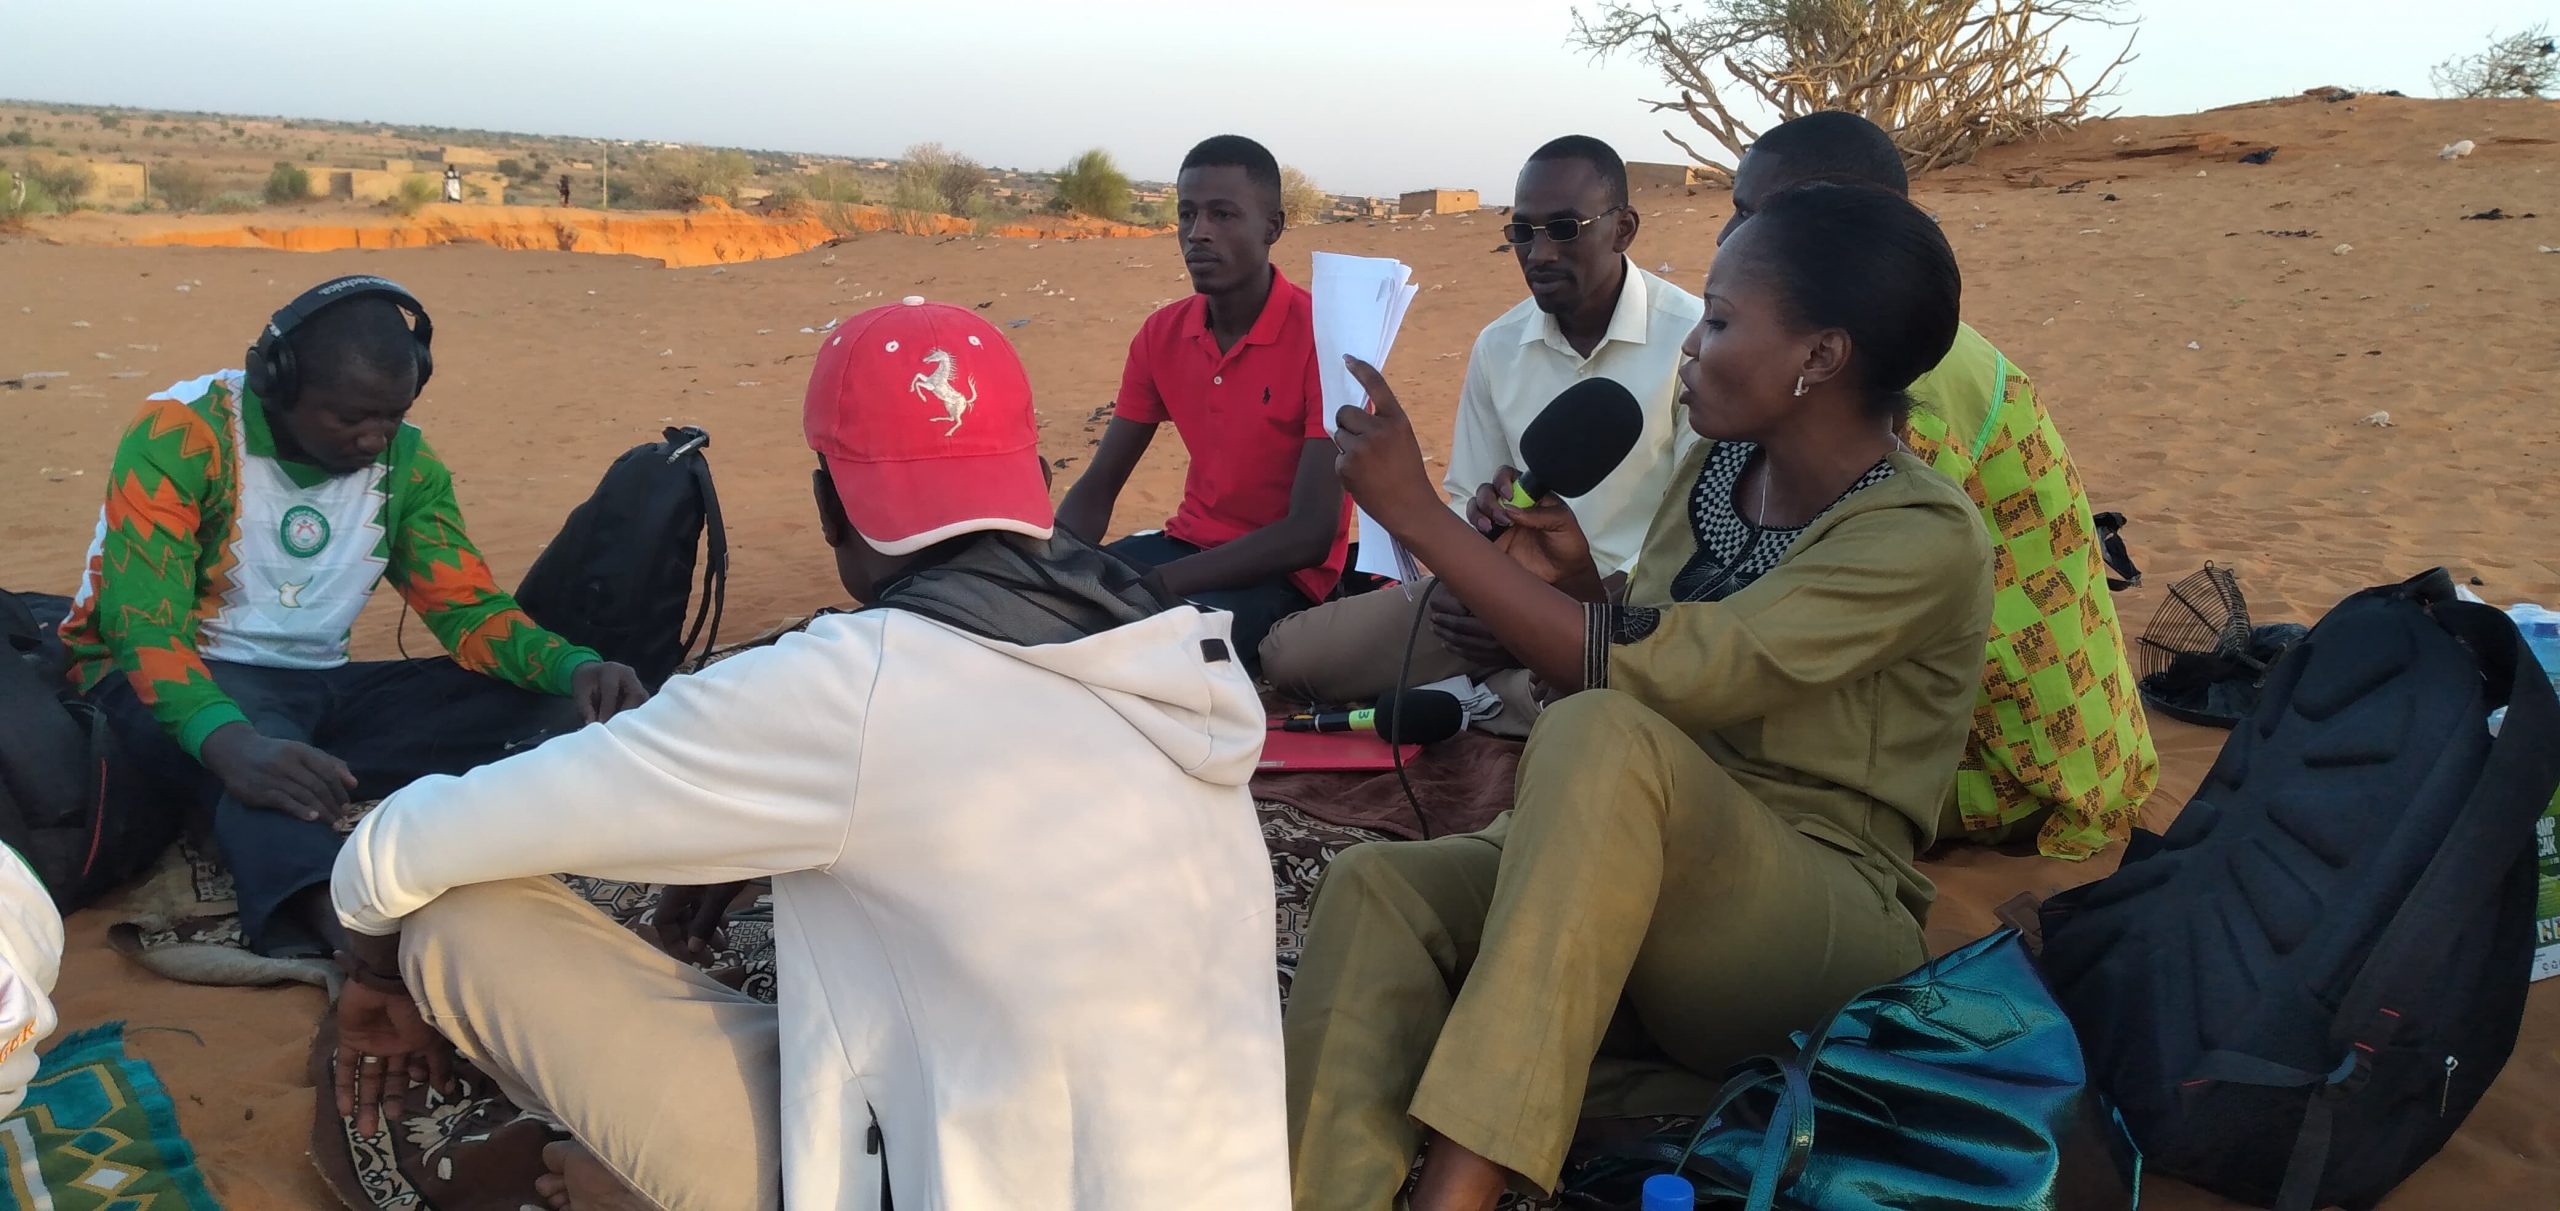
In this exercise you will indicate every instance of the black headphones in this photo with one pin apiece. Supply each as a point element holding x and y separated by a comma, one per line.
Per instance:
<point>275,378</point>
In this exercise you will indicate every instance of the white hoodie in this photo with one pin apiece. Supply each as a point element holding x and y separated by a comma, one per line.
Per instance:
<point>1023,909</point>
<point>30,958</point>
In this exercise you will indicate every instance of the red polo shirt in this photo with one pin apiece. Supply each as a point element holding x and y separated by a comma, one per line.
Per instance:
<point>1245,414</point>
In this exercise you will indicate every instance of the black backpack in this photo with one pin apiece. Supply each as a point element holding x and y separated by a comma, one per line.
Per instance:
<point>2298,992</point>
<point>66,805</point>
<point>617,577</point>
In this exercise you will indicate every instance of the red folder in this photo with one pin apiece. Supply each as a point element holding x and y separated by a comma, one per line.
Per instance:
<point>1298,751</point>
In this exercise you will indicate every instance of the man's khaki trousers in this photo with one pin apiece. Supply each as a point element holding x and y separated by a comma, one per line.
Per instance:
<point>666,1075</point>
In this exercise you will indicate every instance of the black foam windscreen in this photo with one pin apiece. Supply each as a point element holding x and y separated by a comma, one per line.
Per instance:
<point>1582,436</point>
<point>1420,717</point>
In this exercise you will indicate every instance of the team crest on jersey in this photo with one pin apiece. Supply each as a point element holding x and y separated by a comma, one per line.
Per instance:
<point>304,531</point>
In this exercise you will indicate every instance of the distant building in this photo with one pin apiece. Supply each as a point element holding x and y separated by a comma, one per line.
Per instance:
<point>1437,201</point>
<point>1663,176</point>
<point>1346,207</point>
<point>114,184</point>
<point>366,184</point>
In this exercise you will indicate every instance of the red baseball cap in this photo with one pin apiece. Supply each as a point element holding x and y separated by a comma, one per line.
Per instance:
<point>923,415</point>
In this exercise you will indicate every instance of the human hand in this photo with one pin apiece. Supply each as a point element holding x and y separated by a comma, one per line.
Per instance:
<point>687,922</point>
<point>278,775</point>
<point>603,689</point>
<point>1380,461</point>
<point>1484,509</point>
<point>385,1049</point>
<point>1547,539</point>
<point>1459,630</point>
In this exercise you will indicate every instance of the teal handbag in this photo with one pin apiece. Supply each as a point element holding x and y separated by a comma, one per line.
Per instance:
<point>1959,1087</point>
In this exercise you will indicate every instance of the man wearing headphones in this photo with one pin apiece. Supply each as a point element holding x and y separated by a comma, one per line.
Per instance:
<point>249,516</point>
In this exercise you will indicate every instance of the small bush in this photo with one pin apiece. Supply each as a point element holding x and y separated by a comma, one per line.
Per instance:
<point>511,169</point>
<point>63,180</point>
<point>19,138</point>
<point>288,183</point>
<point>787,198</point>
<point>828,187</point>
<point>954,180</point>
<point>182,185</point>
<point>1299,197</point>
<point>109,121</point>
<point>416,190</point>
<point>237,201</point>
<point>1093,184</point>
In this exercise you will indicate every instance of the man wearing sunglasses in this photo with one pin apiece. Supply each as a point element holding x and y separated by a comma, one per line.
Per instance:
<point>1591,313</point>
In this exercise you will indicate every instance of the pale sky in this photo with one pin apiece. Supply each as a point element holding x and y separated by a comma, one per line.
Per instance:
<point>1368,96</point>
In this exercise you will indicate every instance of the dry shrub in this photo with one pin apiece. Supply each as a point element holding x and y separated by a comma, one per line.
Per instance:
<point>2524,65</point>
<point>182,185</point>
<point>1946,78</point>
<point>1300,199</point>
<point>416,191</point>
<point>1094,185</point>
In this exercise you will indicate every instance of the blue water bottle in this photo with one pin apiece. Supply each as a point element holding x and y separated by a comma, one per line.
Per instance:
<point>1669,1192</point>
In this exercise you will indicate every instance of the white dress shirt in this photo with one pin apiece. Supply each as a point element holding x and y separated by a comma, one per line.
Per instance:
<point>1522,361</point>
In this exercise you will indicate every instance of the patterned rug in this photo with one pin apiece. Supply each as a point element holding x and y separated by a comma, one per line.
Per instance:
<point>476,1151</point>
<point>97,1133</point>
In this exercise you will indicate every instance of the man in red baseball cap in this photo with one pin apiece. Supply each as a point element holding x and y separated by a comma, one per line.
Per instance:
<point>1021,899</point>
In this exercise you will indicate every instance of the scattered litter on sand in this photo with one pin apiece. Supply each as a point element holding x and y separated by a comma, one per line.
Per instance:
<point>79,323</point>
<point>2379,420</point>
<point>2342,250</point>
<point>2496,213</point>
<point>2455,151</point>
<point>2195,344</point>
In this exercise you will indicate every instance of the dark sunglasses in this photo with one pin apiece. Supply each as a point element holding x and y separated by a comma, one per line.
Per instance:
<point>1559,230</point>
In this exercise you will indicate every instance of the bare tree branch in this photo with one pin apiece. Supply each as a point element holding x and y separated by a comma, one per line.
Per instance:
<point>1946,77</point>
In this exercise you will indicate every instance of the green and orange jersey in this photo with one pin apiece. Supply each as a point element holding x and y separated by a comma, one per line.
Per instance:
<point>211,547</point>
<point>2058,723</point>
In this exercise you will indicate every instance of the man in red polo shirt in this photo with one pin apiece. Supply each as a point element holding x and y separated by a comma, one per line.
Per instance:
<point>1260,532</point>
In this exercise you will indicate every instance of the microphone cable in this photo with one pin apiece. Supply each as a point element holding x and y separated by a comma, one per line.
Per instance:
<point>1404,673</point>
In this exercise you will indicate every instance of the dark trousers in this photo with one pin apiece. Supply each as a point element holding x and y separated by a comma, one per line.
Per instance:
<point>1255,607</point>
<point>393,722</point>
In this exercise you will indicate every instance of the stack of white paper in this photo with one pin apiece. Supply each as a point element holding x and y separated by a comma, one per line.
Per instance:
<point>1359,304</point>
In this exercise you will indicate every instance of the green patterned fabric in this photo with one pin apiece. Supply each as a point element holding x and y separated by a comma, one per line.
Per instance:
<point>98,1133</point>
<point>2059,737</point>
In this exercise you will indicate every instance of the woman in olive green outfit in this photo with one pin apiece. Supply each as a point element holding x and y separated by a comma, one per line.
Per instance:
<point>1712,837</point>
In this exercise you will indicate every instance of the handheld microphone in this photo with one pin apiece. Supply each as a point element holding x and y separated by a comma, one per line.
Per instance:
<point>1582,436</point>
<point>1410,717</point>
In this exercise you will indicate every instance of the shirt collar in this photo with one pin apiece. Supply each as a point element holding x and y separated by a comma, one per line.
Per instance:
<point>1628,321</point>
<point>1266,326</point>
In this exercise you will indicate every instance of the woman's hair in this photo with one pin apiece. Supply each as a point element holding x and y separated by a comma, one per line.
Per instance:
<point>1868,262</point>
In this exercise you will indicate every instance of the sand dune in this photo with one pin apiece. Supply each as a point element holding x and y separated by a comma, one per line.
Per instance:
<point>2210,371</point>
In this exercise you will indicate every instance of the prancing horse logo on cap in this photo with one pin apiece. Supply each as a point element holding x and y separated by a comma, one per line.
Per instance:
<point>936,385</point>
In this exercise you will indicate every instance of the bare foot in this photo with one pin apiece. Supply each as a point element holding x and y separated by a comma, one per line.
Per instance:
<point>578,1181</point>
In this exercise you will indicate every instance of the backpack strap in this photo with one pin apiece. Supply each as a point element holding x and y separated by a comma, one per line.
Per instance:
<point>2494,827</point>
<point>715,567</point>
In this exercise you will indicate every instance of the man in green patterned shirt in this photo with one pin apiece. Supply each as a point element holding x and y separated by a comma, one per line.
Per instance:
<point>2060,745</point>
<point>249,516</point>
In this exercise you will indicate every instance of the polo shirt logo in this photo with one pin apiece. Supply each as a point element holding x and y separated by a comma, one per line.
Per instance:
<point>935,384</point>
